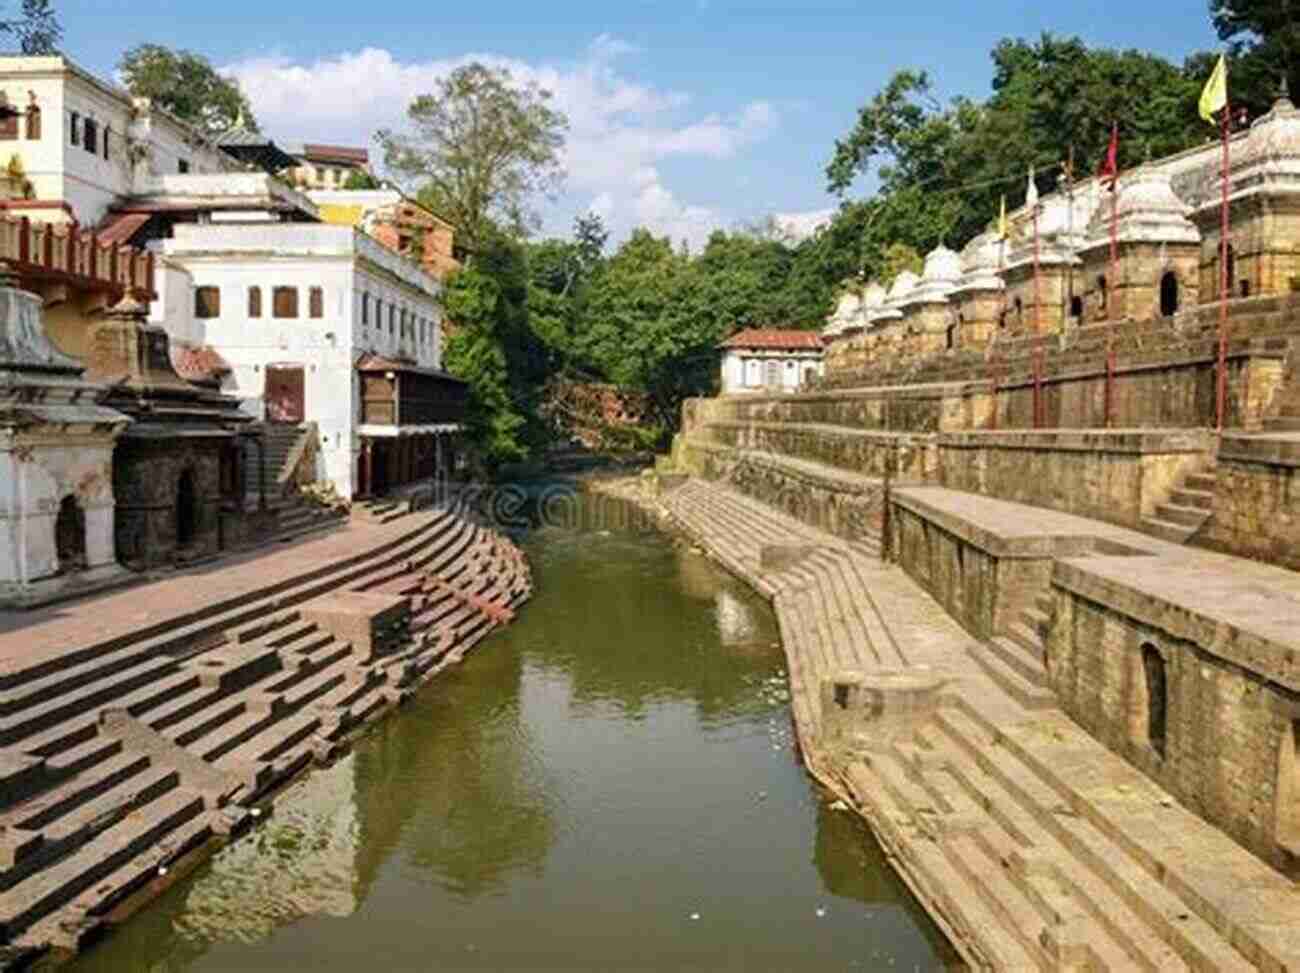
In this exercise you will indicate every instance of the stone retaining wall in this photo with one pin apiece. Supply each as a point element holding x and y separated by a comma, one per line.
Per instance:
<point>1224,745</point>
<point>1257,500</point>
<point>866,452</point>
<point>1113,475</point>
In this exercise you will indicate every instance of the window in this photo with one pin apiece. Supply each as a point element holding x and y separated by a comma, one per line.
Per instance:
<point>74,128</point>
<point>182,166</point>
<point>1153,666</point>
<point>33,124</point>
<point>1168,294</point>
<point>392,320</point>
<point>207,302</point>
<point>90,136</point>
<point>107,132</point>
<point>284,302</point>
<point>365,309</point>
<point>1101,293</point>
<point>255,302</point>
<point>8,121</point>
<point>1232,268</point>
<point>1076,306</point>
<point>1245,288</point>
<point>316,302</point>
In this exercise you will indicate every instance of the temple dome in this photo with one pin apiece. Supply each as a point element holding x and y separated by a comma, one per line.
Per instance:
<point>980,260</point>
<point>942,268</point>
<point>904,284</point>
<point>1147,210</point>
<point>874,296</point>
<point>1270,158</point>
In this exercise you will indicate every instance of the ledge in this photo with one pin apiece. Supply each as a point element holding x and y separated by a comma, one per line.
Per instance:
<point>1140,441</point>
<point>1269,449</point>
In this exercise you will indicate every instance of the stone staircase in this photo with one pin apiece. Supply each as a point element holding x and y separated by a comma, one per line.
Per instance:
<point>283,445</point>
<point>120,758</point>
<point>1189,506</point>
<point>1034,846</point>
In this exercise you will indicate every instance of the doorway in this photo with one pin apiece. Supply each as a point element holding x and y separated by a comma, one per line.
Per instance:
<point>284,394</point>
<point>70,535</point>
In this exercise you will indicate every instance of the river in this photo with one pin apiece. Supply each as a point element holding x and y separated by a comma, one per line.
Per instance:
<point>609,784</point>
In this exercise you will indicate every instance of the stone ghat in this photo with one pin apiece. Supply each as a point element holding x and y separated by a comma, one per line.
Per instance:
<point>1033,845</point>
<point>123,756</point>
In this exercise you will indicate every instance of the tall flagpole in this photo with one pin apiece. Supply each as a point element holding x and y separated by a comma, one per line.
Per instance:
<point>1002,318</point>
<point>1224,283</point>
<point>1113,289</point>
<point>1038,329</point>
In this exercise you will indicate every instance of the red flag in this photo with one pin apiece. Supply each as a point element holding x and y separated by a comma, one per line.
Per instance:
<point>1110,164</point>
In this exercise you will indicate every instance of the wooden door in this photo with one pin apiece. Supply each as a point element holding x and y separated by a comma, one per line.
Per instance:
<point>284,394</point>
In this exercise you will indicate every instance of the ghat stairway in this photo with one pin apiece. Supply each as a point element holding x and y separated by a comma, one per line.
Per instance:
<point>121,755</point>
<point>1034,846</point>
<point>294,515</point>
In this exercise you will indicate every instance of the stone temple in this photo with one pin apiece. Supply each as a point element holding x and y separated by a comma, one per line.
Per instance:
<point>1042,615</point>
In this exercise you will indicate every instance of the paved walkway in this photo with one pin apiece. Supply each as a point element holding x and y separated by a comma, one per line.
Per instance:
<point>1030,843</point>
<point>28,638</point>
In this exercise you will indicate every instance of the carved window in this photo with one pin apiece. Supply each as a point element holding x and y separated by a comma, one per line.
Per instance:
<point>255,302</point>
<point>207,302</point>
<point>1153,668</point>
<point>284,302</point>
<point>33,124</point>
<point>316,302</point>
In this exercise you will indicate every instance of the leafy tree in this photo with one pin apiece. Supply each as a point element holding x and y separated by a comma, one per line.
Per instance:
<point>1264,39</point>
<point>36,29</point>
<point>482,147</point>
<point>187,85</point>
<point>360,179</point>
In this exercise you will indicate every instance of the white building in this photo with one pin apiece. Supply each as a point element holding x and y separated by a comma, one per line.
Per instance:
<point>770,360</point>
<point>84,143</point>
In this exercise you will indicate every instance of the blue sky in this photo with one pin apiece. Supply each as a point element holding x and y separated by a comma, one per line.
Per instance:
<point>686,114</point>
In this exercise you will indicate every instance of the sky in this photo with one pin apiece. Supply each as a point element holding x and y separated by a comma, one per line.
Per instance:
<point>685,115</point>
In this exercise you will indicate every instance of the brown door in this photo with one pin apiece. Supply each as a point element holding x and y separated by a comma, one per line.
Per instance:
<point>284,394</point>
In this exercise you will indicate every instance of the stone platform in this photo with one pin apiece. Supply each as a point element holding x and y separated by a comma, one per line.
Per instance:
<point>1033,844</point>
<point>141,728</point>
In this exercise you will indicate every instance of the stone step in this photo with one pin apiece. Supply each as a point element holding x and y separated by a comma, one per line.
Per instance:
<point>1031,694</point>
<point>1002,895</point>
<point>81,756</point>
<point>1175,920</point>
<point>1166,530</point>
<point>46,890</point>
<point>1027,639</point>
<point>1176,514</point>
<point>33,691</point>
<point>78,825</point>
<point>1195,499</point>
<point>1045,602</point>
<point>1036,620</point>
<point>44,715</point>
<point>259,761</point>
<point>221,712</point>
<point>73,792</point>
<point>1026,662</point>
<point>1201,482</point>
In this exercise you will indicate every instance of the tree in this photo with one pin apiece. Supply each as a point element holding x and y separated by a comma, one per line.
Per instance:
<point>1264,39</point>
<point>360,179</point>
<point>37,29</point>
<point>187,85</point>
<point>482,147</point>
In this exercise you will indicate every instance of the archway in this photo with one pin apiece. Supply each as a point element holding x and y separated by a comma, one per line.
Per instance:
<point>1168,294</point>
<point>1153,667</point>
<point>1076,307</point>
<point>187,512</point>
<point>70,535</point>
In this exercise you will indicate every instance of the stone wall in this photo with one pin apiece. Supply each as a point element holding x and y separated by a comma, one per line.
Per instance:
<point>146,480</point>
<point>1113,475</point>
<point>867,452</point>
<point>902,408</point>
<point>1257,500</point>
<point>1222,744</point>
<point>841,506</point>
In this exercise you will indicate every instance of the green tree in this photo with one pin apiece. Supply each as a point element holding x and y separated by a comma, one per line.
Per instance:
<point>360,179</point>
<point>482,147</point>
<point>36,28</point>
<point>188,86</point>
<point>1264,40</point>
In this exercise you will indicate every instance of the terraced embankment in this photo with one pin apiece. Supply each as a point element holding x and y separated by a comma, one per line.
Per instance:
<point>137,728</point>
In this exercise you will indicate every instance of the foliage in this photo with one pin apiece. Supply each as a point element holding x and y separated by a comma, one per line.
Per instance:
<point>360,179</point>
<point>482,147</point>
<point>1264,39</point>
<point>188,86</point>
<point>36,29</point>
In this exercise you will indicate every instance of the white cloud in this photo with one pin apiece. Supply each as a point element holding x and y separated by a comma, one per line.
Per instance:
<point>620,130</point>
<point>797,226</point>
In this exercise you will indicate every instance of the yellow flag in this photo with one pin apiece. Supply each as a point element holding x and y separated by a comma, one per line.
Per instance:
<point>1215,96</point>
<point>1002,219</point>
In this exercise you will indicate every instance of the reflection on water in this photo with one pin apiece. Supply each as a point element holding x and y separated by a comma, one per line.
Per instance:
<point>607,785</point>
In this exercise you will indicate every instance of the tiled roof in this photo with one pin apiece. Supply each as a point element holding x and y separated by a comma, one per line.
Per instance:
<point>783,338</point>
<point>120,227</point>
<point>199,364</point>
<point>370,362</point>
<point>335,153</point>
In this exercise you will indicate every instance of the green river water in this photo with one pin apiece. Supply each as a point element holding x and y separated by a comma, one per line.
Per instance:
<point>609,784</point>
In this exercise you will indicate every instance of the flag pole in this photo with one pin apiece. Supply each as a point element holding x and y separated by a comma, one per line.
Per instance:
<point>1113,289</point>
<point>1038,328</point>
<point>1002,317</point>
<point>1224,282</point>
